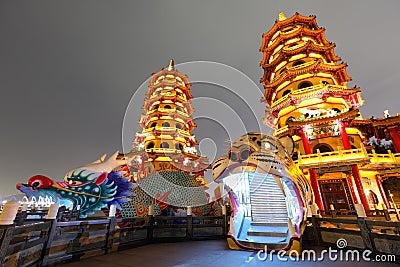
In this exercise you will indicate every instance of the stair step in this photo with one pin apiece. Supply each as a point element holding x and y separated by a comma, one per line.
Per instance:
<point>269,224</point>
<point>268,231</point>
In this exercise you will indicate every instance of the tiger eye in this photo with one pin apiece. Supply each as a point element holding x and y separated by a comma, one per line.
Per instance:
<point>245,154</point>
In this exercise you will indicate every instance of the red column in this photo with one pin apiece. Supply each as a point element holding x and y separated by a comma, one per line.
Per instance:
<point>354,168</point>
<point>382,191</point>
<point>313,174</point>
<point>395,138</point>
<point>354,195</point>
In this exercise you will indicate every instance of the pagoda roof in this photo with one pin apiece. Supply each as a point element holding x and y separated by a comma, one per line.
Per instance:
<point>379,122</point>
<point>163,84</point>
<point>308,46</point>
<point>169,71</point>
<point>149,102</point>
<point>339,71</point>
<point>351,114</point>
<point>319,90</point>
<point>317,34</point>
<point>295,19</point>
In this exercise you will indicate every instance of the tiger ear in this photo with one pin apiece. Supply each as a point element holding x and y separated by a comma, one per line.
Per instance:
<point>288,143</point>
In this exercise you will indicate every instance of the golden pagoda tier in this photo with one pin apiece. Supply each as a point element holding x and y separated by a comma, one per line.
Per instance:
<point>166,142</point>
<point>306,90</point>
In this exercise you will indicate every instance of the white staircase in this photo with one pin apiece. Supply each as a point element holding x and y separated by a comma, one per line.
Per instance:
<point>268,207</point>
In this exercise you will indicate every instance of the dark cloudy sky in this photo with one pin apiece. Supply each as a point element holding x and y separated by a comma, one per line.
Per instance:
<point>69,68</point>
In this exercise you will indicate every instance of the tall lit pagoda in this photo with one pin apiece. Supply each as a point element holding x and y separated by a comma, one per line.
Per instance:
<point>305,87</point>
<point>166,142</point>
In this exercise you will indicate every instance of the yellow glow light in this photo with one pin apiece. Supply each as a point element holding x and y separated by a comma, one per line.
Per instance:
<point>280,65</point>
<point>292,40</point>
<point>282,85</point>
<point>295,57</point>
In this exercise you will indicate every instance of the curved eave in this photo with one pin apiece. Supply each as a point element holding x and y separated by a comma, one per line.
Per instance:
<point>351,114</point>
<point>391,121</point>
<point>172,114</point>
<point>149,101</point>
<point>296,18</point>
<point>163,84</point>
<point>317,35</point>
<point>309,47</point>
<point>314,91</point>
<point>302,31</point>
<point>174,72</point>
<point>339,71</point>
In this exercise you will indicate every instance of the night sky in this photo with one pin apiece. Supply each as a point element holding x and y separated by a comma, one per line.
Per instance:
<point>68,69</point>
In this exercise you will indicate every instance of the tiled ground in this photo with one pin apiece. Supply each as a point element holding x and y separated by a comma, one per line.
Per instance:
<point>199,253</point>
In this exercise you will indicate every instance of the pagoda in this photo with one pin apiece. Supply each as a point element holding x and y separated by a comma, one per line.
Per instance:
<point>306,90</point>
<point>166,141</point>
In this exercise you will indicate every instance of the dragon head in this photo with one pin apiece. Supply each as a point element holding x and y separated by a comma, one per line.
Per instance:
<point>90,190</point>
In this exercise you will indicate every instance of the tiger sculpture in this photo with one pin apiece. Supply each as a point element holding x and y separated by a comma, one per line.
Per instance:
<point>268,193</point>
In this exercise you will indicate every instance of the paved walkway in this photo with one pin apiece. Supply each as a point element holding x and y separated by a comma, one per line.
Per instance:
<point>199,253</point>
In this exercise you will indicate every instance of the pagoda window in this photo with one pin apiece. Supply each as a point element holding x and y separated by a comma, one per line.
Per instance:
<point>164,145</point>
<point>155,106</point>
<point>167,106</point>
<point>154,124</point>
<point>298,62</point>
<point>286,92</point>
<point>178,146</point>
<point>150,145</point>
<point>323,148</point>
<point>166,124</point>
<point>305,84</point>
<point>337,110</point>
<point>372,198</point>
<point>178,125</point>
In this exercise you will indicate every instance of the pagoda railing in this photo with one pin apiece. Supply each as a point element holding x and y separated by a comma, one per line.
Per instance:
<point>385,163</point>
<point>347,157</point>
<point>306,64</point>
<point>282,130</point>
<point>385,158</point>
<point>167,129</point>
<point>334,158</point>
<point>166,110</point>
<point>305,92</point>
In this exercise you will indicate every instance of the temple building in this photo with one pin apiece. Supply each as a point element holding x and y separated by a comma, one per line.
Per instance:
<point>344,156</point>
<point>166,142</point>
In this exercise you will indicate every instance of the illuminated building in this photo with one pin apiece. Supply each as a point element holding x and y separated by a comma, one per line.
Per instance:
<point>306,89</point>
<point>166,142</point>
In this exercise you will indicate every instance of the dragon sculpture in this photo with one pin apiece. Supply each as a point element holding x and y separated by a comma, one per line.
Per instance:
<point>97,185</point>
<point>91,189</point>
<point>267,192</point>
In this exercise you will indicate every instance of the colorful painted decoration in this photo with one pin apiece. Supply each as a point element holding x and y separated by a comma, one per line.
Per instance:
<point>87,189</point>
<point>267,193</point>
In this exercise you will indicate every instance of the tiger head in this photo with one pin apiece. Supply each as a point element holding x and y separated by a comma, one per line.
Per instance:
<point>254,152</point>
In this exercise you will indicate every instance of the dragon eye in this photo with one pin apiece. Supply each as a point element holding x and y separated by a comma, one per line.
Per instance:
<point>35,184</point>
<point>74,183</point>
<point>232,156</point>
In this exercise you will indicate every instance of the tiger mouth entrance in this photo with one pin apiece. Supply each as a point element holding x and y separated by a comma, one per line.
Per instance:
<point>336,192</point>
